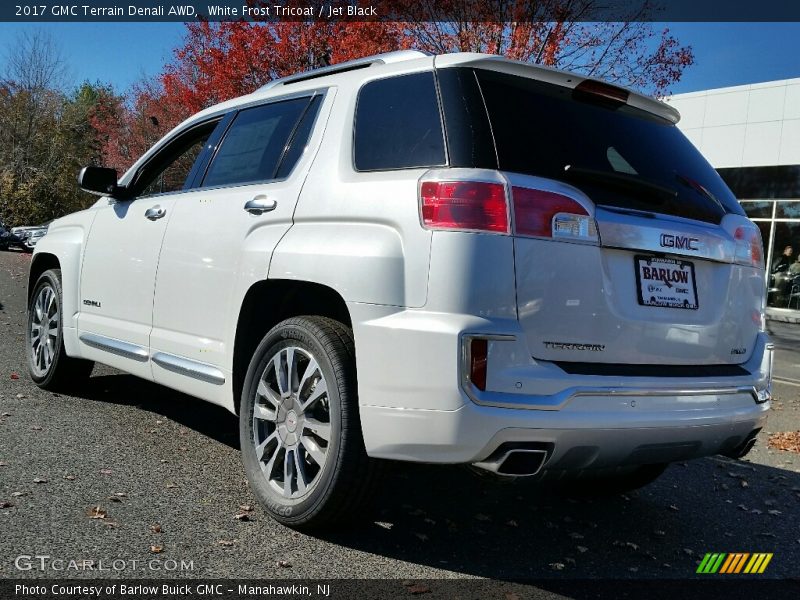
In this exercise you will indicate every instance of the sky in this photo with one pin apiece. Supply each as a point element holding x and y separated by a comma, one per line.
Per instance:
<point>726,54</point>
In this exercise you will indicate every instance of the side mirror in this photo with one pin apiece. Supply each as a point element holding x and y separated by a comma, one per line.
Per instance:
<point>98,180</point>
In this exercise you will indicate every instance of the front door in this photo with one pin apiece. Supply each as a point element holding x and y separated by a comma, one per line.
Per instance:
<point>121,256</point>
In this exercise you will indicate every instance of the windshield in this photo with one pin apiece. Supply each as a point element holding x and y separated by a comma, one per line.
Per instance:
<point>620,156</point>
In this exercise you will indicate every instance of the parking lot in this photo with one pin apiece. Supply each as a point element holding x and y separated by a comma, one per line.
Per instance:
<point>130,471</point>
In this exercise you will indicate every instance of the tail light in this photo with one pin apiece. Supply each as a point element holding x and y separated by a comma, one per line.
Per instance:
<point>478,355</point>
<point>547,214</point>
<point>464,205</point>
<point>482,206</point>
<point>749,250</point>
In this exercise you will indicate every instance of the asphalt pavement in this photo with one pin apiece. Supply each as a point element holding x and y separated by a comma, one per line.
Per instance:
<point>130,471</point>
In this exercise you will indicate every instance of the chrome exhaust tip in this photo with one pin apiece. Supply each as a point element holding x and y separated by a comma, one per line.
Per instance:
<point>514,462</point>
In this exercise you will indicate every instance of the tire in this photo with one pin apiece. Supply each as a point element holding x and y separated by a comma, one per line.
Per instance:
<point>618,483</point>
<point>283,429</point>
<point>48,364</point>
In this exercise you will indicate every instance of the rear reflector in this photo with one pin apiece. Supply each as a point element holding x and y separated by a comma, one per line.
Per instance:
<point>464,205</point>
<point>547,214</point>
<point>749,250</point>
<point>478,354</point>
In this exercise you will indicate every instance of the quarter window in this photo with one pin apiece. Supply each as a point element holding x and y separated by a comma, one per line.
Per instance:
<point>398,124</point>
<point>256,143</point>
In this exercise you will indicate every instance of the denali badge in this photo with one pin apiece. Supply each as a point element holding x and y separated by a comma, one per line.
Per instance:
<point>568,346</point>
<point>94,303</point>
<point>679,241</point>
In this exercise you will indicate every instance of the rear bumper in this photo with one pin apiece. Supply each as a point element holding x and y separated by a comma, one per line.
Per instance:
<point>417,405</point>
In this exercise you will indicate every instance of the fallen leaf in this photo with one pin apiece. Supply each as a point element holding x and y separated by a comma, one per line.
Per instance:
<point>159,422</point>
<point>106,471</point>
<point>14,376</point>
<point>109,523</point>
<point>3,463</point>
<point>97,512</point>
<point>688,552</point>
<point>576,536</point>
<point>164,460</point>
<point>512,523</point>
<point>582,549</point>
<point>39,480</point>
<point>659,532</point>
<point>557,566</point>
<point>4,504</point>
<point>788,441</point>
<point>744,483</point>
<point>246,507</point>
<point>226,543</point>
<point>36,428</point>
<point>415,589</point>
<point>18,494</point>
<point>384,524</point>
<point>171,485</point>
<point>6,414</point>
<point>482,517</point>
<point>284,564</point>
<point>155,528</point>
<point>156,549</point>
<point>115,499</point>
<point>774,512</point>
<point>69,477</point>
<point>242,516</point>
<point>742,507</point>
<point>673,507</point>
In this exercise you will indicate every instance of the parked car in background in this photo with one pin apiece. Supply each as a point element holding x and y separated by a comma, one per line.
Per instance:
<point>27,237</point>
<point>455,259</point>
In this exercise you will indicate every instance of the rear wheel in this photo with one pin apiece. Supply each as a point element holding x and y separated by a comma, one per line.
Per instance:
<point>300,430</point>
<point>48,363</point>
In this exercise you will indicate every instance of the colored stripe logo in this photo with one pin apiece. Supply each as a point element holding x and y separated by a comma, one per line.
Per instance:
<point>735,562</point>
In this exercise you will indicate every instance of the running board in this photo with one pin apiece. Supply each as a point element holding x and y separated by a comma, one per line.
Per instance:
<point>118,347</point>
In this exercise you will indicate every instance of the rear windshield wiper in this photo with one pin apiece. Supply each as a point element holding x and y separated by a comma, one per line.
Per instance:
<point>653,193</point>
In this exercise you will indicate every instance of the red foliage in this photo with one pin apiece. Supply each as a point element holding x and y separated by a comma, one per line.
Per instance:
<point>219,61</point>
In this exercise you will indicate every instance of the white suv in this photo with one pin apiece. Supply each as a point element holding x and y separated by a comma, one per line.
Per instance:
<point>446,259</point>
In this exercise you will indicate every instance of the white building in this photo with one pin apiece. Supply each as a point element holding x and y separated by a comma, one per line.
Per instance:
<point>751,135</point>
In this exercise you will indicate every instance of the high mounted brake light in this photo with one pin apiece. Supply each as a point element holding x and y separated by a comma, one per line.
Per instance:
<point>590,89</point>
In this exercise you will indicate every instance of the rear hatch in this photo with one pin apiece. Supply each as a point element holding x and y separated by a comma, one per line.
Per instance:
<point>629,248</point>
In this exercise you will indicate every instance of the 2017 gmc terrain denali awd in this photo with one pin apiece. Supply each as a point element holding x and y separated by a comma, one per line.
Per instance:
<point>451,259</point>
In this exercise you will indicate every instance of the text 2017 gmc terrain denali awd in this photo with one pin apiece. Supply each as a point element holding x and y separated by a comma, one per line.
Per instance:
<point>449,259</point>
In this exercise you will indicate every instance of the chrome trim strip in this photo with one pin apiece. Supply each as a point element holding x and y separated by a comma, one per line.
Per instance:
<point>118,347</point>
<point>189,368</point>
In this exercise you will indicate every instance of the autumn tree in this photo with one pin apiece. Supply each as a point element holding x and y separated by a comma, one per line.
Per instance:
<point>221,60</point>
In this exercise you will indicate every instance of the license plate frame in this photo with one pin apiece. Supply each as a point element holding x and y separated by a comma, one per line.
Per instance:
<point>663,282</point>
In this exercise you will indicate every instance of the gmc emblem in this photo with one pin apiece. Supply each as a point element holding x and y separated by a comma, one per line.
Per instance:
<point>679,241</point>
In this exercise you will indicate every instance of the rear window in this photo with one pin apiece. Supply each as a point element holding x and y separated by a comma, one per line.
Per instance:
<point>398,124</point>
<point>618,155</point>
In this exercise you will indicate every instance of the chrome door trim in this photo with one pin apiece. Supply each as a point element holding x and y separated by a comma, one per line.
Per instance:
<point>189,368</point>
<point>118,347</point>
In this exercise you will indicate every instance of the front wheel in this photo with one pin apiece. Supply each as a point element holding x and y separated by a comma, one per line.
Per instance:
<point>48,363</point>
<point>300,430</point>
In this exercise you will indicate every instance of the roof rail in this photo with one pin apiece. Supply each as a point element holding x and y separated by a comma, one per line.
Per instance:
<point>351,65</point>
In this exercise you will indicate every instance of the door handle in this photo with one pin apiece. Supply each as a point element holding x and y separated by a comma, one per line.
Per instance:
<point>259,205</point>
<point>155,213</point>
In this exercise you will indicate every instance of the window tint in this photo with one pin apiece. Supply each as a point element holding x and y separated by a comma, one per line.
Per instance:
<point>255,143</point>
<point>299,140</point>
<point>169,170</point>
<point>619,155</point>
<point>398,124</point>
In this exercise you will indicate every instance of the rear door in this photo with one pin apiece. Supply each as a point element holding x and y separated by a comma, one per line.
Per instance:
<point>221,236</point>
<point>668,269</point>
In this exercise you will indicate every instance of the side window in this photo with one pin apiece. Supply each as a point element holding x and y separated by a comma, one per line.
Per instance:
<point>299,140</point>
<point>169,170</point>
<point>398,124</point>
<point>255,143</point>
